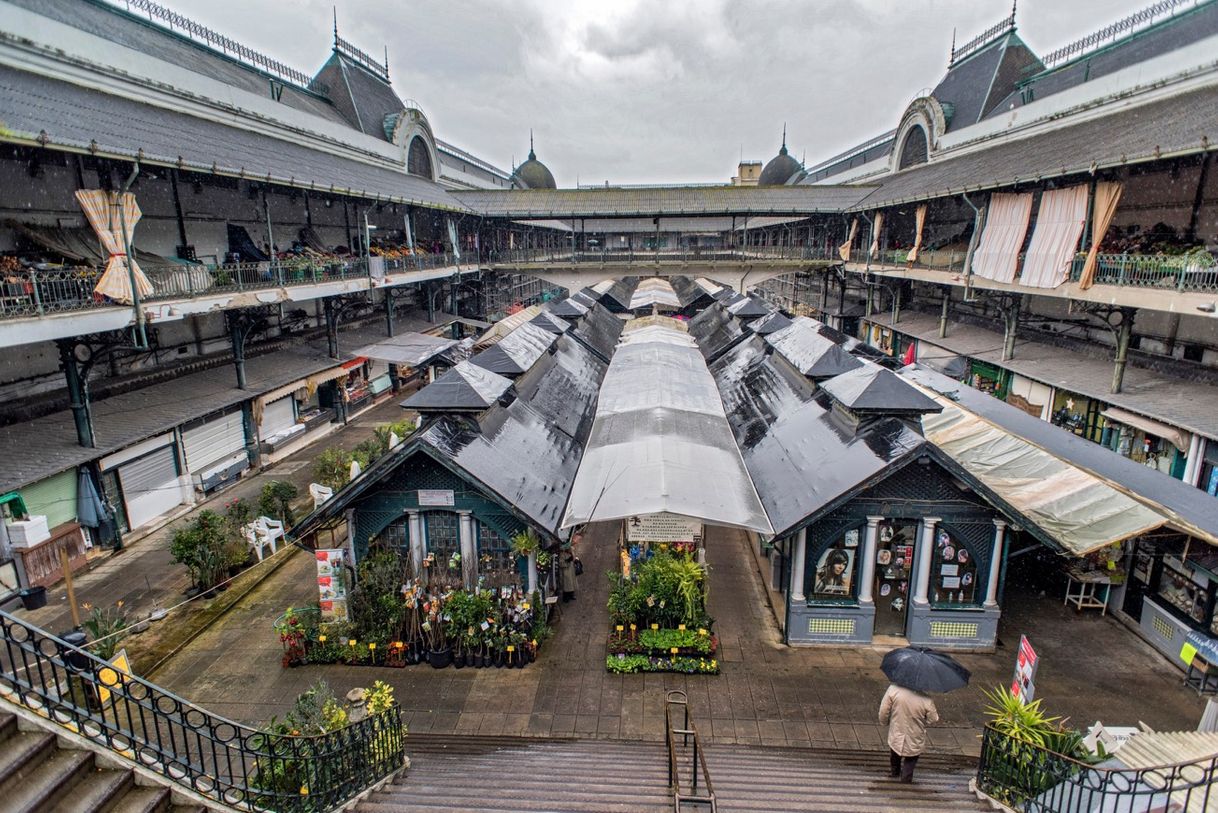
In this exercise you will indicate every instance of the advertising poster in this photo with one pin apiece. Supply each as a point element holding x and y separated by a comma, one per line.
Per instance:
<point>1024,684</point>
<point>332,585</point>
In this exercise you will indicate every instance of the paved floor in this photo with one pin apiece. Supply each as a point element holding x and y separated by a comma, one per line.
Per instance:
<point>1092,668</point>
<point>144,576</point>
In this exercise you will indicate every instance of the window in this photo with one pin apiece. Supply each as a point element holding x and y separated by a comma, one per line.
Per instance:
<point>914,149</point>
<point>494,551</point>
<point>953,573</point>
<point>396,536</point>
<point>835,574</point>
<point>442,531</point>
<point>418,159</point>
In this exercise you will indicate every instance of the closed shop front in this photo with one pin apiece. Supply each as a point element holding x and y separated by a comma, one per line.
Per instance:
<point>143,480</point>
<point>277,416</point>
<point>215,448</point>
<point>1031,396</point>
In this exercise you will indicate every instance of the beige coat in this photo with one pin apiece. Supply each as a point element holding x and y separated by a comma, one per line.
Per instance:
<point>907,714</point>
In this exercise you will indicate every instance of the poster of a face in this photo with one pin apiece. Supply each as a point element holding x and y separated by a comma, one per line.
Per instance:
<point>834,572</point>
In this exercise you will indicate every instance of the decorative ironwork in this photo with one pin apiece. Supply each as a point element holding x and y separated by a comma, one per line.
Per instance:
<point>984,38</point>
<point>227,46</point>
<point>379,69</point>
<point>1037,780</point>
<point>223,760</point>
<point>1138,19</point>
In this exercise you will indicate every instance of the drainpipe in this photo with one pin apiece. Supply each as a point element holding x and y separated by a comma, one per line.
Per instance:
<point>141,342</point>
<point>978,221</point>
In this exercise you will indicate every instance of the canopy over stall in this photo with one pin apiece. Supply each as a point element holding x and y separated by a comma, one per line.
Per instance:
<point>661,441</point>
<point>809,351</point>
<point>408,349</point>
<point>654,292</point>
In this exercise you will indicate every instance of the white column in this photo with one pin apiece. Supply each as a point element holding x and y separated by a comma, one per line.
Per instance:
<point>798,565</point>
<point>414,527</point>
<point>926,551</point>
<point>1192,470</point>
<point>867,576</point>
<point>1046,411</point>
<point>991,587</point>
<point>350,544</point>
<point>469,551</point>
<point>532,573</point>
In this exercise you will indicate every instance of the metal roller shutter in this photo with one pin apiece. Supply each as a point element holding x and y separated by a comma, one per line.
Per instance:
<point>218,438</point>
<point>150,486</point>
<point>276,416</point>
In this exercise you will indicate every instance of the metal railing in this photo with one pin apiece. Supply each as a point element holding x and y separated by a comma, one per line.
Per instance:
<point>223,760</point>
<point>644,256</point>
<point>690,794</point>
<point>1035,780</point>
<point>1111,33</point>
<point>34,292</point>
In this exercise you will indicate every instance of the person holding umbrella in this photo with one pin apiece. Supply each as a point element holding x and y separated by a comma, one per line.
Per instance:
<point>907,708</point>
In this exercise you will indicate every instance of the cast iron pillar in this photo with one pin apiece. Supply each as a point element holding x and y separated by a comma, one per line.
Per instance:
<point>78,393</point>
<point>943,312</point>
<point>331,311</point>
<point>1124,333</point>
<point>241,324</point>
<point>1010,319</point>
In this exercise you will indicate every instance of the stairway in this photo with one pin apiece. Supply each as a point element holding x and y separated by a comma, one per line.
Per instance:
<point>37,775</point>
<point>493,774</point>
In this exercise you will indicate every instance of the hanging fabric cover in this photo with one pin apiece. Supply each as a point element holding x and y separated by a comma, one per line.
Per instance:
<point>875,233</point>
<point>355,469</point>
<point>919,222</point>
<point>106,212</point>
<point>1059,226</point>
<point>997,255</point>
<point>843,250</point>
<point>409,232</point>
<point>1107,195</point>
<point>452,238</point>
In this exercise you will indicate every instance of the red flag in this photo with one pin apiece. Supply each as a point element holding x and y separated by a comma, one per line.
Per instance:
<point>908,358</point>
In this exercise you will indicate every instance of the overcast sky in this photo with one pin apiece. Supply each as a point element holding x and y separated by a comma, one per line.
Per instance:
<point>648,91</point>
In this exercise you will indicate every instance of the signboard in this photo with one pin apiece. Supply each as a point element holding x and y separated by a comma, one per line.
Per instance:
<point>1023,685</point>
<point>116,673</point>
<point>436,497</point>
<point>663,527</point>
<point>332,584</point>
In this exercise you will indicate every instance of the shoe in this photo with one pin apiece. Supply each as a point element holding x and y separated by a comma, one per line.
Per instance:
<point>906,780</point>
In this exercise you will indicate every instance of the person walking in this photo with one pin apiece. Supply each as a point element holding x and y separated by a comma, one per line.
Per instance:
<point>566,574</point>
<point>907,713</point>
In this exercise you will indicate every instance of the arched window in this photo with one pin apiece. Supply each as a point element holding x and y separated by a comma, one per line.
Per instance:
<point>418,159</point>
<point>914,149</point>
<point>441,529</point>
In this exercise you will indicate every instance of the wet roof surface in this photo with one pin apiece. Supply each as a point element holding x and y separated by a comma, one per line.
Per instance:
<point>465,387</point>
<point>517,351</point>
<point>810,351</point>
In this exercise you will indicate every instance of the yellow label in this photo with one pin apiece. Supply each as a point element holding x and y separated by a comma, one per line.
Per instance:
<point>680,626</point>
<point>673,650</point>
<point>655,626</point>
<point>620,628</point>
<point>511,648</point>
<point>1187,652</point>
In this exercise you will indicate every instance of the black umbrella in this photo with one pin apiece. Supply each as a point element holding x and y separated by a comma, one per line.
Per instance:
<point>924,670</point>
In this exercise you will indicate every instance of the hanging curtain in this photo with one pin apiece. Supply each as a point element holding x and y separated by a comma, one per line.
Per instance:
<point>409,232</point>
<point>997,254</point>
<point>452,238</point>
<point>875,234</point>
<point>1107,195</point>
<point>919,222</point>
<point>843,250</point>
<point>1059,226</point>
<point>106,211</point>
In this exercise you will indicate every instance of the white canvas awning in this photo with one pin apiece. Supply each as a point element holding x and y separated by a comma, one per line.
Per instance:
<point>1177,437</point>
<point>654,291</point>
<point>1079,510</point>
<point>408,349</point>
<point>661,442</point>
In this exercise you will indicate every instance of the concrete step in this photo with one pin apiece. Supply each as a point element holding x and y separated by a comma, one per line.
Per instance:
<point>97,791</point>
<point>44,783</point>
<point>143,800</point>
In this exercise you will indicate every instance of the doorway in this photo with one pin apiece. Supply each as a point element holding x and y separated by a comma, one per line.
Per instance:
<point>894,555</point>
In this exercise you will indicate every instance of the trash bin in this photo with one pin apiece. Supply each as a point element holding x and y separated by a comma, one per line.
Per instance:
<point>33,598</point>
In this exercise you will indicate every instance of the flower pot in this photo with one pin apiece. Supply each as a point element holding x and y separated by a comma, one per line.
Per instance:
<point>459,661</point>
<point>520,660</point>
<point>479,661</point>
<point>469,659</point>
<point>33,598</point>
<point>498,660</point>
<point>440,658</point>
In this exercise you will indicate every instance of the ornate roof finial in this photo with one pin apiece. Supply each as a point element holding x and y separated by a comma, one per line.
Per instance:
<point>952,58</point>
<point>532,155</point>
<point>335,8</point>
<point>386,62</point>
<point>783,150</point>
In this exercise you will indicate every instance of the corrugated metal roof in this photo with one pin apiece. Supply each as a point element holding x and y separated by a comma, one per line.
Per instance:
<point>656,201</point>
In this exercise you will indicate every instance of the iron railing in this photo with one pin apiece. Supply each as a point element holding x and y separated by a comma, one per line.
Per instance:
<point>1111,33</point>
<point>699,790</point>
<point>223,760</point>
<point>1035,780</point>
<point>644,256</point>
<point>34,292</point>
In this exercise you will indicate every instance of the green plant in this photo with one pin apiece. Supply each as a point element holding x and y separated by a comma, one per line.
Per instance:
<point>525,543</point>
<point>207,546</point>
<point>379,698</point>
<point>1028,722</point>
<point>276,500</point>
<point>106,628</point>
<point>332,468</point>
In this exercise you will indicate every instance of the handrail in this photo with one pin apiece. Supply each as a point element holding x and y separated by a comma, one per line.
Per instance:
<point>229,762</point>
<point>695,254</point>
<point>1038,780</point>
<point>698,770</point>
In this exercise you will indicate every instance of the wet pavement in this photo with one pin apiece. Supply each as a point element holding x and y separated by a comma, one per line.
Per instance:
<point>1092,668</point>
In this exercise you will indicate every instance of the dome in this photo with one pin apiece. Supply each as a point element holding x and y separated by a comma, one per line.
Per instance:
<point>780,169</point>
<point>533,174</point>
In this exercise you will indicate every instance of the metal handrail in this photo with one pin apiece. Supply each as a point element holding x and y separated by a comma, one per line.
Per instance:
<point>1037,780</point>
<point>698,770</point>
<point>607,254</point>
<point>229,762</point>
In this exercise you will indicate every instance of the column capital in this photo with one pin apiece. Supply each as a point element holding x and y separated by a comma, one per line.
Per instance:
<point>412,512</point>
<point>932,520</point>
<point>874,521</point>
<point>465,512</point>
<point>1000,523</point>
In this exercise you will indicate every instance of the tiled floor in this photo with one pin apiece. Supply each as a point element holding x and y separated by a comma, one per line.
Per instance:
<point>1092,668</point>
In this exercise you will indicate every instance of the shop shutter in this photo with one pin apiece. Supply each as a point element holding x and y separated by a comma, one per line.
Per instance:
<point>216,439</point>
<point>277,416</point>
<point>150,486</point>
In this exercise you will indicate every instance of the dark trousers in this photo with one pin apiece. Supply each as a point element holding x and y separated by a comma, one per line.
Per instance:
<point>901,766</point>
<point>568,595</point>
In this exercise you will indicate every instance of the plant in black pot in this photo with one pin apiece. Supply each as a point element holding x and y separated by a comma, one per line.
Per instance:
<point>435,632</point>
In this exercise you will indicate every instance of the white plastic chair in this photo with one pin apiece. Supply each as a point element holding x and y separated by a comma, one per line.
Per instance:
<point>269,530</point>
<point>254,539</point>
<point>320,494</point>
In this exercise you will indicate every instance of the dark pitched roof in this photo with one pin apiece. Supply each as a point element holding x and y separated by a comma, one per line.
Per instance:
<point>563,387</point>
<point>773,323</point>
<point>972,87</point>
<point>872,389</point>
<point>1180,124</point>
<point>465,387</point>
<point>746,307</point>
<point>617,297</point>
<point>689,293</point>
<point>598,330</point>
<point>366,100</point>
<point>82,118</point>
<point>516,352</point>
<point>715,330</point>
<point>568,308</point>
<point>548,321</point>
<point>812,353</point>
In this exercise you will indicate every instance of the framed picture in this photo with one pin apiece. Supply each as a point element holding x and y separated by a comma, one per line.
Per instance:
<point>852,538</point>
<point>883,557</point>
<point>835,573</point>
<point>886,533</point>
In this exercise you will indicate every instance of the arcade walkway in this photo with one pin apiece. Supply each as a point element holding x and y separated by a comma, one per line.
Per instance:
<point>1092,668</point>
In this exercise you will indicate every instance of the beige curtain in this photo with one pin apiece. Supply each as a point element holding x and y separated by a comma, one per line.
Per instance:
<point>1107,195</point>
<point>997,254</point>
<point>317,379</point>
<point>1059,227</point>
<point>843,250</point>
<point>106,212</point>
<point>919,222</point>
<point>875,235</point>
